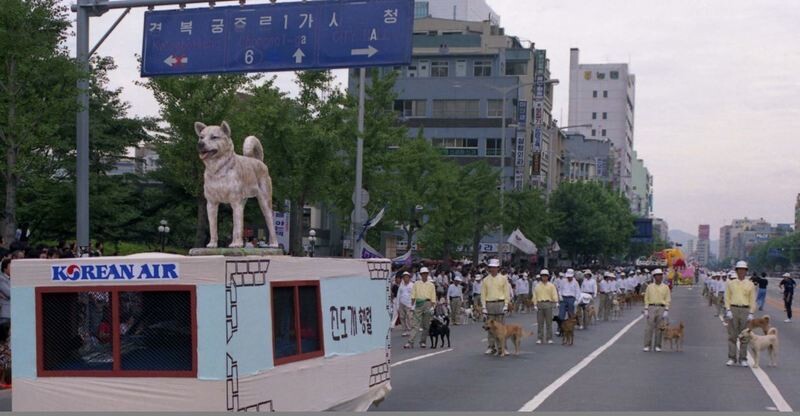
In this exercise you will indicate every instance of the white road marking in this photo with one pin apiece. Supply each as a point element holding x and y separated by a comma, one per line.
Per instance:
<point>537,400</point>
<point>769,386</point>
<point>420,357</point>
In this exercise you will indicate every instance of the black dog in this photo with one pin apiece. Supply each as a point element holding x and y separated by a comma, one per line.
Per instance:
<point>440,328</point>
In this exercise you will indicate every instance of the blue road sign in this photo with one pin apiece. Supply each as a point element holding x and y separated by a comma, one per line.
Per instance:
<point>278,37</point>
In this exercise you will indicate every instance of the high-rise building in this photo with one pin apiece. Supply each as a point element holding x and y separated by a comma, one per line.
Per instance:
<point>469,10</point>
<point>603,96</point>
<point>641,188</point>
<point>737,240</point>
<point>703,248</point>
<point>586,159</point>
<point>660,229</point>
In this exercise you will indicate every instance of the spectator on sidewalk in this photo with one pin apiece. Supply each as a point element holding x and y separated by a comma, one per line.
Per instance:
<point>761,283</point>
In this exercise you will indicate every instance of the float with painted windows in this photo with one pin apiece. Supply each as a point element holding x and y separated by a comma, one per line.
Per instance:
<point>210,333</point>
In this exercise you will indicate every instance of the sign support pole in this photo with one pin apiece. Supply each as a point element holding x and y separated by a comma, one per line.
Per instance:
<point>358,221</point>
<point>82,126</point>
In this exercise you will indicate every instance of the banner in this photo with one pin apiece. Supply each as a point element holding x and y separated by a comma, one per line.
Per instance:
<point>518,240</point>
<point>405,259</point>
<point>371,223</point>
<point>367,252</point>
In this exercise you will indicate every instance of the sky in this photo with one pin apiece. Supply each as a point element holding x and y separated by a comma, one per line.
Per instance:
<point>717,94</point>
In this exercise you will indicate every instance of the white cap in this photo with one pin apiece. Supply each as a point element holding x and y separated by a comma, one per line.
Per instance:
<point>458,279</point>
<point>424,270</point>
<point>494,263</point>
<point>478,276</point>
<point>741,264</point>
<point>731,274</point>
<point>787,275</point>
<point>406,273</point>
<point>544,272</point>
<point>570,273</point>
<point>657,271</point>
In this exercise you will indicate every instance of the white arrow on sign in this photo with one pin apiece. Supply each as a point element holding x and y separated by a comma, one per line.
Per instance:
<point>298,56</point>
<point>369,51</point>
<point>173,60</point>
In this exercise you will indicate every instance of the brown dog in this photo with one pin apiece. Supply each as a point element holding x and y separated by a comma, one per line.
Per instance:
<point>503,332</point>
<point>568,331</point>
<point>762,322</point>
<point>591,314</point>
<point>672,334</point>
<point>758,343</point>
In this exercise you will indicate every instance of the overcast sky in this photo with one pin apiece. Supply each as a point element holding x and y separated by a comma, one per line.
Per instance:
<point>717,94</point>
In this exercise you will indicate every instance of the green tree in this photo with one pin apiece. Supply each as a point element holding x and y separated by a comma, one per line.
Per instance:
<point>183,101</point>
<point>527,210</point>
<point>37,92</point>
<point>590,221</point>
<point>482,202</point>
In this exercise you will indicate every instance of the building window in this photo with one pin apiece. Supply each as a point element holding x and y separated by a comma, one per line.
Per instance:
<point>456,108</point>
<point>296,321</point>
<point>495,108</point>
<point>421,9</point>
<point>113,331</point>
<point>461,68</point>
<point>440,69</point>
<point>493,147</point>
<point>614,74</point>
<point>594,94</point>
<point>482,68</point>
<point>601,75</point>
<point>594,132</point>
<point>516,68</point>
<point>411,108</point>
<point>457,146</point>
<point>605,94</point>
<point>605,116</point>
<point>594,116</point>
<point>603,133</point>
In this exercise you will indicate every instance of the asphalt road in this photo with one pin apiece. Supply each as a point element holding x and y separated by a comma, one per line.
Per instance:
<point>606,369</point>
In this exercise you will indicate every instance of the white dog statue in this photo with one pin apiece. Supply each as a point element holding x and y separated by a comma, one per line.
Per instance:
<point>231,179</point>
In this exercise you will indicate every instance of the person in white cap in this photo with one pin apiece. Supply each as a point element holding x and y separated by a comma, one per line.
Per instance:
<point>406,309</point>
<point>740,305</point>
<point>494,298</point>
<point>606,288</point>
<point>523,292</point>
<point>657,299</point>
<point>787,284</point>
<point>719,294</point>
<point>545,298</point>
<point>589,285</point>
<point>423,294</point>
<point>455,296</point>
<point>567,294</point>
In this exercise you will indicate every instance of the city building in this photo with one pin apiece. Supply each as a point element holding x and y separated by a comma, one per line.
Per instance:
<point>689,251</point>
<point>702,251</point>
<point>587,159</point>
<point>453,93</point>
<point>641,197</point>
<point>660,229</point>
<point>737,240</point>
<point>603,96</point>
<point>468,10</point>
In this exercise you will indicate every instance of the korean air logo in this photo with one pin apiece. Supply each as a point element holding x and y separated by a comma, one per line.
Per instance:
<point>116,272</point>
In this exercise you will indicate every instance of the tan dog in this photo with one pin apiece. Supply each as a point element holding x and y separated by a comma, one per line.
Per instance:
<point>503,332</point>
<point>232,179</point>
<point>568,331</point>
<point>758,343</point>
<point>672,334</point>
<point>616,312</point>
<point>762,322</point>
<point>591,314</point>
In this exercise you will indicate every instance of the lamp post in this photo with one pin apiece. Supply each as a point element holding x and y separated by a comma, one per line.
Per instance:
<point>163,230</point>
<point>312,242</point>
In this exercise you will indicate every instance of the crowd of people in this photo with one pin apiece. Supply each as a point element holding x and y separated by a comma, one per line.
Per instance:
<point>487,290</point>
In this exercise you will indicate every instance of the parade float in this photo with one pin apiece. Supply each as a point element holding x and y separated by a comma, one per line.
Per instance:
<point>158,332</point>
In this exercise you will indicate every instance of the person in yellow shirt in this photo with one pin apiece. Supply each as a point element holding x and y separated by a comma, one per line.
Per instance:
<point>657,298</point>
<point>495,290</point>
<point>545,298</point>
<point>740,304</point>
<point>423,297</point>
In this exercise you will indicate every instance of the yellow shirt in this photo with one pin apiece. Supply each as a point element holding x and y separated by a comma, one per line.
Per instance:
<point>657,294</point>
<point>545,292</point>
<point>423,290</point>
<point>495,288</point>
<point>740,292</point>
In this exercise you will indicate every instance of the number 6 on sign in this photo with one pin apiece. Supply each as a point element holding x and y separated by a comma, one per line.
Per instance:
<point>248,57</point>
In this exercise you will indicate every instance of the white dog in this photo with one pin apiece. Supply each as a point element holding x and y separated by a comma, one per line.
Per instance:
<point>758,343</point>
<point>231,179</point>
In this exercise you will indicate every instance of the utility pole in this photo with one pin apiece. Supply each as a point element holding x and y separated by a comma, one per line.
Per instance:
<point>357,220</point>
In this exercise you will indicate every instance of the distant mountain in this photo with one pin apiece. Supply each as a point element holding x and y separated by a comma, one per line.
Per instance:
<point>680,237</point>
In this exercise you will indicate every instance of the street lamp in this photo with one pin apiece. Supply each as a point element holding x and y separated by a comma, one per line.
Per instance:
<point>312,241</point>
<point>163,230</point>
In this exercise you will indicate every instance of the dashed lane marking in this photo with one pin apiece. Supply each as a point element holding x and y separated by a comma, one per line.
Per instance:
<point>769,387</point>
<point>420,357</point>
